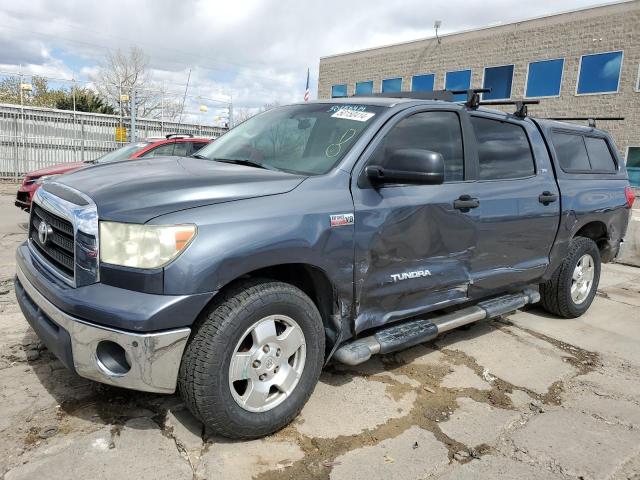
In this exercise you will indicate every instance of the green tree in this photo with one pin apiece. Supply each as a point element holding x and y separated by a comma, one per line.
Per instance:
<point>40,95</point>
<point>86,101</point>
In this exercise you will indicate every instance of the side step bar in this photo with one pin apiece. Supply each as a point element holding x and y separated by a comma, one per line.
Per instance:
<point>408,334</point>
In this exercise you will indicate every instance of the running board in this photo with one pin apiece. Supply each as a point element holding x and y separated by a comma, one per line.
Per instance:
<point>413,332</point>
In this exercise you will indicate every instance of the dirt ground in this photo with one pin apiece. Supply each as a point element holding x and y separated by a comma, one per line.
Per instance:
<point>529,396</point>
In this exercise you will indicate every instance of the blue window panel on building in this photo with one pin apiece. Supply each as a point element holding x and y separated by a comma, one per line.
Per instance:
<point>422,83</point>
<point>499,80</point>
<point>600,73</point>
<point>544,78</point>
<point>460,80</point>
<point>364,88</point>
<point>392,85</point>
<point>338,91</point>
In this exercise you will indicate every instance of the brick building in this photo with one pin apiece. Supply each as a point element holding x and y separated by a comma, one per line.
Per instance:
<point>580,63</point>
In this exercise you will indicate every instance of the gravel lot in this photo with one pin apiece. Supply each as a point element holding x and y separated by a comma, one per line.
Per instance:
<point>529,396</point>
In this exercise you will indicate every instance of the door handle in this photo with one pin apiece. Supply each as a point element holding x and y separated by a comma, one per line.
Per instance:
<point>465,202</point>
<point>547,197</point>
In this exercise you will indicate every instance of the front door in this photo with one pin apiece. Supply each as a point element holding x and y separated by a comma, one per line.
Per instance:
<point>413,248</point>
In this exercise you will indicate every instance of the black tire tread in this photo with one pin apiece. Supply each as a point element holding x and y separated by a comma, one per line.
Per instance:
<point>553,294</point>
<point>195,378</point>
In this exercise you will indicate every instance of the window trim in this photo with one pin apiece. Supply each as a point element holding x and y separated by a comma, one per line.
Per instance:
<point>526,78</point>
<point>526,134</point>
<point>513,76</point>
<point>355,88</point>
<point>580,69</point>
<point>391,78</point>
<point>346,86</point>
<point>365,157</point>
<point>421,75</point>
<point>591,170</point>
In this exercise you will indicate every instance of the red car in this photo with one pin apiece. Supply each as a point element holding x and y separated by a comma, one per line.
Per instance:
<point>174,144</point>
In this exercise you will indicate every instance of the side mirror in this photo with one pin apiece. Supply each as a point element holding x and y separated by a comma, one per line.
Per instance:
<point>409,165</point>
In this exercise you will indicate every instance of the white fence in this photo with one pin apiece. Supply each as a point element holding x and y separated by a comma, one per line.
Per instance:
<point>33,138</point>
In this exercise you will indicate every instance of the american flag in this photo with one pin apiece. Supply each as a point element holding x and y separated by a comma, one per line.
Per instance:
<point>307,93</point>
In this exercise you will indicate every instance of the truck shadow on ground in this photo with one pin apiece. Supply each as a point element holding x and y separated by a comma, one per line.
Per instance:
<point>98,404</point>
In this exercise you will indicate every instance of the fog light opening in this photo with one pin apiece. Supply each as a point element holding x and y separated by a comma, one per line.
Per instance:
<point>112,358</point>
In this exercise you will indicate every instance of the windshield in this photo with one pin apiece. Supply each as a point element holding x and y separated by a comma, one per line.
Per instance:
<point>122,153</point>
<point>307,139</point>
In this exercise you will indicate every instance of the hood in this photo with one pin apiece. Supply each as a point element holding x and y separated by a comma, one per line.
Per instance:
<point>56,169</point>
<point>138,190</point>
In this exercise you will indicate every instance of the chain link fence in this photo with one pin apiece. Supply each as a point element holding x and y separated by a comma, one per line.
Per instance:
<point>33,138</point>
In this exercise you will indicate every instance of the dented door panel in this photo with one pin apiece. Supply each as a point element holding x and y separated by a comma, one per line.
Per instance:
<point>413,251</point>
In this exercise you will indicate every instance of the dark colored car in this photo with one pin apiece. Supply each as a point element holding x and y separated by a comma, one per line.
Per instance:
<point>171,145</point>
<point>328,230</point>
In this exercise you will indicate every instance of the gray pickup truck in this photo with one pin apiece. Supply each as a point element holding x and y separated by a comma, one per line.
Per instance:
<point>325,231</point>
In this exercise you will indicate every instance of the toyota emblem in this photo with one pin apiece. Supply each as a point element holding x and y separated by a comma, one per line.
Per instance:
<point>44,230</point>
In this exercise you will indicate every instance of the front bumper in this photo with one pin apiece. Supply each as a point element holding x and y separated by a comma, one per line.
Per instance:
<point>139,361</point>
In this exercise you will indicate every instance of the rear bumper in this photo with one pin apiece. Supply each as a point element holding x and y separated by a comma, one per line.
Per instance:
<point>151,360</point>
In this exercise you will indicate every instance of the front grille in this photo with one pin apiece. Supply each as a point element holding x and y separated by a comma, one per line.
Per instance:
<point>59,247</point>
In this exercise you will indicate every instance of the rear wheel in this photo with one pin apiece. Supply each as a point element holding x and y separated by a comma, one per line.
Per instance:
<point>253,359</point>
<point>573,286</point>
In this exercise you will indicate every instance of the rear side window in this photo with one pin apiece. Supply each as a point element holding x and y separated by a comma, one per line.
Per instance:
<point>599,154</point>
<point>503,150</point>
<point>583,154</point>
<point>571,152</point>
<point>195,146</point>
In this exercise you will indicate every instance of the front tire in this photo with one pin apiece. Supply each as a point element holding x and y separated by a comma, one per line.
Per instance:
<point>572,288</point>
<point>253,359</point>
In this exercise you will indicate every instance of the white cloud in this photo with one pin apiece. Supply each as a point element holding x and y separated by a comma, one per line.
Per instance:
<point>256,51</point>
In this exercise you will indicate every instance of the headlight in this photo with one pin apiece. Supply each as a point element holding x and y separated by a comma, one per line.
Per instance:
<point>143,246</point>
<point>45,177</point>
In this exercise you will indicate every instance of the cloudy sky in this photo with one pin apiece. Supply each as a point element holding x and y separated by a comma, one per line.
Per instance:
<point>257,51</point>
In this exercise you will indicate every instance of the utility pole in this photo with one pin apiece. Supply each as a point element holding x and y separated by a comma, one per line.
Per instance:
<point>133,115</point>
<point>231,112</point>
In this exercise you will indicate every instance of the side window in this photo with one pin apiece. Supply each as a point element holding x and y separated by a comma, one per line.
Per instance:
<point>182,149</point>
<point>436,131</point>
<point>571,152</point>
<point>599,154</point>
<point>503,150</point>
<point>162,150</point>
<point>195,146</point>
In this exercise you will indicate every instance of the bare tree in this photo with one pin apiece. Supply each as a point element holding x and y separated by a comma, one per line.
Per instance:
<point>123,72</point>
<point>242,114</point>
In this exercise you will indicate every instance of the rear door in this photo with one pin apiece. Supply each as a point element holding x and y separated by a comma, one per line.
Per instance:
<point>413,247</point>
<point>518,203</point>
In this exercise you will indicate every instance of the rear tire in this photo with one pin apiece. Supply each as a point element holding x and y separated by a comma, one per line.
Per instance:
<point>573,286</point>
<point>275,372</point>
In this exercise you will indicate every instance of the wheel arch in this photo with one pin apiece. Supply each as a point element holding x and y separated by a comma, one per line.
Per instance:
<point>597,231</point>
<point>315,283</point>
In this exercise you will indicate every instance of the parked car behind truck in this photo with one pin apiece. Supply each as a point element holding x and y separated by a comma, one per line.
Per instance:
<point>172,144</point>
<point>328,230</point>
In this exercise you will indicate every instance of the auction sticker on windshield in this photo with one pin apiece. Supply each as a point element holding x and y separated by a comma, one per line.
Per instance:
<point>348,114</point>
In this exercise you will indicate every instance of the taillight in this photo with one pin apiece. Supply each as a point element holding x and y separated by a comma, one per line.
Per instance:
<point>628,192</point>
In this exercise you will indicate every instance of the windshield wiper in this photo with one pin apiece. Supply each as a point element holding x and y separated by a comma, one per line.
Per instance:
<point>197,155</point>
<point>240,161</point>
